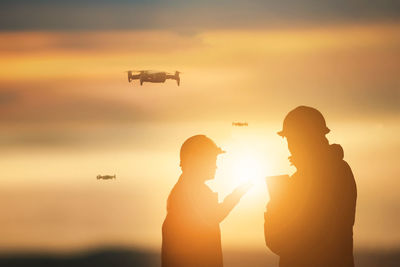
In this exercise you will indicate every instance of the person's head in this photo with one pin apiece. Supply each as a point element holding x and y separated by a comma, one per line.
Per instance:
<point>199,157</point>
<point>305,129</point>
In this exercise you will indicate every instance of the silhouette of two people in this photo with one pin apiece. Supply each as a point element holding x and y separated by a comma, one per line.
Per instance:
<point>191,232</point>
<point>309,222</point>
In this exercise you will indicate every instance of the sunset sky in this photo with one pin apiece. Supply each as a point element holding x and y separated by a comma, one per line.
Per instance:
<point>68,112</point>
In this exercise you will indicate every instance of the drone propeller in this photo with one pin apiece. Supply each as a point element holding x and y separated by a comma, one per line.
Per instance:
<point>174,73</point>
<point>136,70</point>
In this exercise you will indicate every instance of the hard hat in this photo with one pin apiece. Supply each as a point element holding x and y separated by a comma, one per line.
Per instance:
<point>199,145</point>
<point>304,119</point>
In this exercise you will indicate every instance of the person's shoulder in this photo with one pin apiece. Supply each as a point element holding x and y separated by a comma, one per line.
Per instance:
<point>346,167</point>
<point>346,170</point>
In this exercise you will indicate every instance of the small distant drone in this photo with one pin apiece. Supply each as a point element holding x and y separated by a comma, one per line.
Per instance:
<point>240,124</point>
<point>106,177</point>
<point>152,76</point>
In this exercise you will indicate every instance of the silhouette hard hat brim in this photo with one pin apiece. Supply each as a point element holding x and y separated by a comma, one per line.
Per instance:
<point>281,133</point>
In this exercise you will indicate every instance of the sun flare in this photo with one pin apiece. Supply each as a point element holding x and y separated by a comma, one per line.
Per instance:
<point>247,167</point>
<point>246,161</point>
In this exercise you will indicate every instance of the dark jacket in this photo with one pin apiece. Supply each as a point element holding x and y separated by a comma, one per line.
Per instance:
<point>191,235</point>
<point>311,224</point>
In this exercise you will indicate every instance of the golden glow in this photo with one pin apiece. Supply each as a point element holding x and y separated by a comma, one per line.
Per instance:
<point>227,76</point>
<point>248,167</point>
<point>245,160</point>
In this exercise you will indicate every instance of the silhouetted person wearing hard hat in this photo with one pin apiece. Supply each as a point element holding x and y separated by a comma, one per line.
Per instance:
<point>191,233</point>
<point>311,222</point>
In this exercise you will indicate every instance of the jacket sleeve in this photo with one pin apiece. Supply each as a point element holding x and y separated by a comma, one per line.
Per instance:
<point>217,212</point>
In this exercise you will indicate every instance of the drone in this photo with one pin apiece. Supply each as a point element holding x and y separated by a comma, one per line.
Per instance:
<point>152,76</point>
<point>106,177</point>
<point>240,124</point>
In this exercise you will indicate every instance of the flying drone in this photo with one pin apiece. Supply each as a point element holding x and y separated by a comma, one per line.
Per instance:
<point>152,76</point>
<point>106,177</point>
<point>240,124</point>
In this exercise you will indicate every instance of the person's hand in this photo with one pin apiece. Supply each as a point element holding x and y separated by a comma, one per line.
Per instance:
<point>242,189</point>
<point>233,199</point>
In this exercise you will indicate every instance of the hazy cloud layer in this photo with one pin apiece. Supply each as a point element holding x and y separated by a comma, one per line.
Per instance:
<point>70,88</point>
<point>136,42</point>
<point>187,16</point>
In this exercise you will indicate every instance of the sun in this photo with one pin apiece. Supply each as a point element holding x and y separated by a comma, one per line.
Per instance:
<point>247,167</point>
<point>245,161</point>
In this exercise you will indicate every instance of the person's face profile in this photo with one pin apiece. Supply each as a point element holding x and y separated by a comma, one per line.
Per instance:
<point>303,143</point>
<point>208,166</point>
<point>204,166</point>
<point>295,143</point>
<point>299,143</point>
